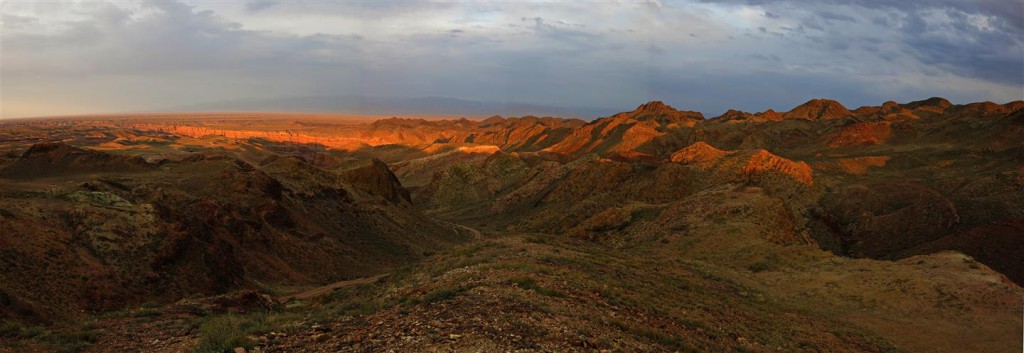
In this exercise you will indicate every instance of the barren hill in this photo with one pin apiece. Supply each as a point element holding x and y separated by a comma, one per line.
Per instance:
<point>92,231</point>
<point>817,229</point>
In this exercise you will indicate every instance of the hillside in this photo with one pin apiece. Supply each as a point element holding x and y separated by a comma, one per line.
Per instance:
<point>820,229</point>
<point>90,232</point>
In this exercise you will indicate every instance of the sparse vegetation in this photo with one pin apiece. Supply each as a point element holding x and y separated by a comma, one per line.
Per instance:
<point>769,263</point>
<point>528,283</point>
<point>440,294</point>
<point>145,313</point>
<point>225,332</point>
<point>618,245</point>
<point>69,342</point>
<point>10,329</point>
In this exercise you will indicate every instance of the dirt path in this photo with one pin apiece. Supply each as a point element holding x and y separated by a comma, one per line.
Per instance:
<point>330,288</point>
<point>476,233</point>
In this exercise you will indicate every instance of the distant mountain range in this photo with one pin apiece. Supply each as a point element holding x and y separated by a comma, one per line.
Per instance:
<point>348,104</point>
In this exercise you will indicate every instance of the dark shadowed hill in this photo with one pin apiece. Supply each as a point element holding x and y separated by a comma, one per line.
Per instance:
<point>91,231</point>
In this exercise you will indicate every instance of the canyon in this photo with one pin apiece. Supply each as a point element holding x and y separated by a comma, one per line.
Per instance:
<point>882,228</point>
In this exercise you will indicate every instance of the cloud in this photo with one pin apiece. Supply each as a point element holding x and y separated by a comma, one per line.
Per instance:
<point>952,42</point>
<point>832,16</point>
<point>16,22</point>
<point>968,39</point>
<point>80,57</point>
<point>257,6</point>
<point>1009,11</point>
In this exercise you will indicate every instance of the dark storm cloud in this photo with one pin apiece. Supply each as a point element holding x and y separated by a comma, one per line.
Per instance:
<point>982,39</point>
<point>1011,11</point>
<point>964,48</point>
<point>985,56</point>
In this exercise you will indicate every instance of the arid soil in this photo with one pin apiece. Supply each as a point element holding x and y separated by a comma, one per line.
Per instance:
<point>822,229</point>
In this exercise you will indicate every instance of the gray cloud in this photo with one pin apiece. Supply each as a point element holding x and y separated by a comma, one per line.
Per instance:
<point>832,16</point>
<point>966,38</point>
<point>1009,11</point>
<point>256,6</point>
<point>111,57</point>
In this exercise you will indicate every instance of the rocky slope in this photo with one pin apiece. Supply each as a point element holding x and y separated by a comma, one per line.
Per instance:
<point>818,229</point>
<point>884,182</point>
<point>90,231</point>
<point>627,134</point>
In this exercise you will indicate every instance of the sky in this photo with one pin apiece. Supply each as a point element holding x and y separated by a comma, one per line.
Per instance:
<point>86,57</point>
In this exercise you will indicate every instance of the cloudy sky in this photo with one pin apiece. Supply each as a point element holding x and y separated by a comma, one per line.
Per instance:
<point>81,57</point>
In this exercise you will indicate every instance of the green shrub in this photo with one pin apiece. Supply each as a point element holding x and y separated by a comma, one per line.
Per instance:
<point>440,294</point>
<point>758,267</point>
<point>770,262</point>
<point>145,313</point>
<point>660,337</point>
<point>226,332</point>
<point>10,329</point>
<point>529,283</point>
<point>69,342</point>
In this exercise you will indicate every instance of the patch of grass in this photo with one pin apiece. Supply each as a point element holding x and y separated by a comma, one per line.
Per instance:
<point>401,273</point>
<point>90,325</point>
<point>11,329</point>
<point>695,323</point>
<point>69,342</point>
<point>521,266</point>
<point>769,263</point>
<point>114,314</point>
<point>467,250</point>
<point>881,344</point>
<point>462,259</point>
<point>33,331</point>
<point>759,267</point>
<point>662,338</point>
<point>527,330</point>
<point>440,294</point>
<point>529,283</point>
<point>359,307</point>
<point>436,295</point>
<point>537,238</point>
<point>588,265</point>
<point>226,332</point>
<point>616,297</point>
<point>145,313</point>
<point>16,345</point>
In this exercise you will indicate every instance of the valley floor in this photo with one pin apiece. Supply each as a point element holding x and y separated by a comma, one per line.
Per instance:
<point>544,293</point>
